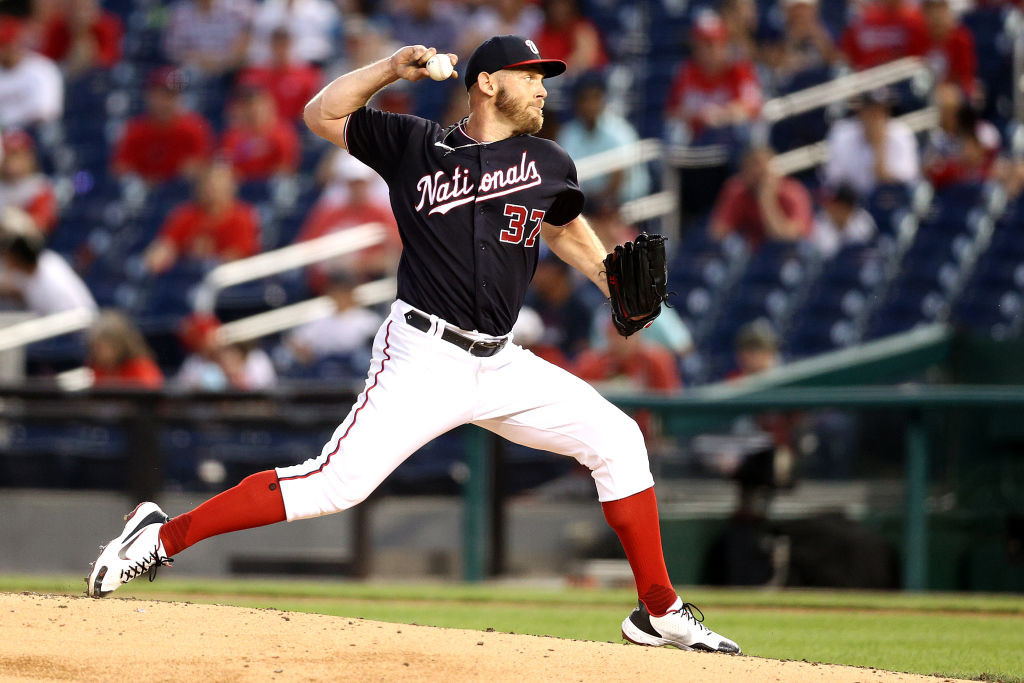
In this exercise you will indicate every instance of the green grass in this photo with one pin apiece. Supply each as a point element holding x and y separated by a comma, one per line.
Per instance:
<point>967,636</point>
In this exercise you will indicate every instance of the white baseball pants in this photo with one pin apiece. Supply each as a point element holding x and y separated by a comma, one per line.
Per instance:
<point>420,386</point>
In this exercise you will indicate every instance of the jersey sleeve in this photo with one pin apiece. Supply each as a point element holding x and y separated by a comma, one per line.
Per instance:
<point>379,138</point>
<point>569,202</point>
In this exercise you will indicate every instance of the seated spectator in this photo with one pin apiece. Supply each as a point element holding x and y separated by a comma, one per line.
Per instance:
<point>801,46</point>
<point>568,35</point>
<point>740,20</point>
<point>949,48</point>
<point>217,225</point>
<point>358,208</point>
<point>760,205</point>
<point>167,141</point>
<point>31,85</point>
<point>886,30</point>
<point>632,364</point>
<point>871,149</point>
<point>39,277</point>
<point>290,81</point>
<point>332,174</point>
<point>558,301</point>
<point>213,366</point>
<point>313,27</point>
<point>595,129</point>
<point>963,149</point>
<point>21,183</point>
<point>119,355</point>
<point>528,332</point>
<point>501,18</point>
<point>842,221</point>
<point>349,330</point>
<point>210,36</point>
<point>258,143</point>
<point>82,36</point>
<point>757,349</point>
<point>712,94</point>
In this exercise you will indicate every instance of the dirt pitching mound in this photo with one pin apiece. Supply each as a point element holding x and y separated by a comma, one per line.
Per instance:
<point>58,637</point>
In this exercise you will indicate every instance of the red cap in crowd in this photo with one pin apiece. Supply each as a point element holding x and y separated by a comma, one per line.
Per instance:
<point>167,78</point>
<point>18,141</point>
<point>11,29</point>
<point>197,329</point>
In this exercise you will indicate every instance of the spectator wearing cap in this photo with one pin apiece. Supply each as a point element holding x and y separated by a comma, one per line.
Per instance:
<point>949,49</point>
<point>841,222</point>
<point>801,47</point>
<point>886,30</point>
<point>21,183</point>
<point>757,349</point>
<point>594,129</point>
<point>290,81</point>
<point>214,366</point>
<point>216,226</point>
<point>82,36</point>
<point>210,36</point>
<point>119,355</point>
<point>359,207</point>
<point>963,148</point>
<point>167,141</point>
<point>39,277</point>
<point>31,85</point>
<point>332,174</point>
<point>871,148</point>
<point>314,27</point>
<point>711,94</point>
<point>258,143</point>
<point>760,205</point>
<point>569,36</point>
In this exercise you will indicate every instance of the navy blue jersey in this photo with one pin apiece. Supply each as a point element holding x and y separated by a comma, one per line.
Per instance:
<point>469,214</point>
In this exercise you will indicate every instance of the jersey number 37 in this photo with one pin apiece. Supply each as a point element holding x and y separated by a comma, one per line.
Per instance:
<point>516,229</point>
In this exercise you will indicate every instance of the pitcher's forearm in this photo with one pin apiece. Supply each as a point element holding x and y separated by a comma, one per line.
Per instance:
<point>349,92</point>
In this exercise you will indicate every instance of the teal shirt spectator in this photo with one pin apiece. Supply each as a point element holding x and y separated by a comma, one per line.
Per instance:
<point>611,131</point>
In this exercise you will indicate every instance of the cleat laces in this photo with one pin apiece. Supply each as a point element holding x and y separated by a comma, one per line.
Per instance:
<point>147,565</point>
<point>687,610</point>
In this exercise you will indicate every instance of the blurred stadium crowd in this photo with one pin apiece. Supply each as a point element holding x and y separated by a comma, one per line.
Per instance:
<point>145,142</point>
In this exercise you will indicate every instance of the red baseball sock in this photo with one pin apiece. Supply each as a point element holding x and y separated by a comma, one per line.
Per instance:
<point>256,501</point>
<point>635,521</point>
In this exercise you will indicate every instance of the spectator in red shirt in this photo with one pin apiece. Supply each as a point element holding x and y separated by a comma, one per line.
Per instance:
<point>82,36</point>
<point>949,50</point>
<point>258,143</point>
<point>760,205</point>
<point>712,93</point>
<point>118,354</point>
<point>166,142</point>
<point>887,30</point>
<point>629,363</point>
<point>291,83</point>
<point>358,207</point>
<point>963,148</point>
<point>568,36</point>
<point>21,183</point>
<point>215,226</point>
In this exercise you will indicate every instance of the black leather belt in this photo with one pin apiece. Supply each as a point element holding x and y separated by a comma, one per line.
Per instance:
<point>481,349</point>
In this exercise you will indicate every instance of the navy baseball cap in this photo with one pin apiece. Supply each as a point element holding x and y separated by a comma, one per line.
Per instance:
<point>506,52</point>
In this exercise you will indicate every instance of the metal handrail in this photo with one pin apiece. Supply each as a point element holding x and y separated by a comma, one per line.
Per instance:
<point>47,326</point>
<point>287,317</point>
<point>285,259</point>
<point>622,157</point>
<point>809,156</point>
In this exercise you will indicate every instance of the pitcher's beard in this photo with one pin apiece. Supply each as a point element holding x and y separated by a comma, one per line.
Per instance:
<point>523,122</point>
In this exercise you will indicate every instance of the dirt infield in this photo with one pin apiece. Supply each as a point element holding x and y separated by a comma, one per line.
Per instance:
<point>57,637</point>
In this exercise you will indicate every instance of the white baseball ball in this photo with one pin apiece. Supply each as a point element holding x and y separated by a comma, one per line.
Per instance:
<point>439,67</point>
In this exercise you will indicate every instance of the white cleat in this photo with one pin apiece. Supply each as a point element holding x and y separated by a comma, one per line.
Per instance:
<point>136,551</point>
<point>679,628</point>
